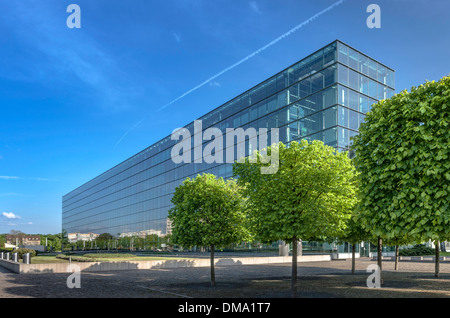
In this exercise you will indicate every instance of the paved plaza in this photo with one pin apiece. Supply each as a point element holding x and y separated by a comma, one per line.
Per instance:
<point>326,279</point>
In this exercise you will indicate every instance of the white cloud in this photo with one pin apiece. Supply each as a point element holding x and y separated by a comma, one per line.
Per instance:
<point>255,7</point>
<point>177,37</point>
<point>8,177</point>
<point>10,215</point>
<point>214,84</point>
<point>25,178</point>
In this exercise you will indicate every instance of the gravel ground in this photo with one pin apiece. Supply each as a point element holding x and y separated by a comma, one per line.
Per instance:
<point>332,279</point>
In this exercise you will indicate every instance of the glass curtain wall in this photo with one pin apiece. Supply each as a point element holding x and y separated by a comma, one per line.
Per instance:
<point>324,96</point>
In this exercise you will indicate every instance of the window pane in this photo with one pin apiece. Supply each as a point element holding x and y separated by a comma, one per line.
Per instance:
<point>329,97</point>
<point>373,69</point>
<point>253,113</point>
<point>311,124</point>
<point>353,80</point>
<point>342,53</point>
<point>342,75</point>
<point>372,89</point>
<point>353,121</point>
<point>353,99</point>
<point>293,131</point>
<point>351,135</point>
<point>329,137</point>
<point>390,93</point>
<point>343,116</point>
<point>361,118</point>
<point>303,69</point>
<point>363,64</point>
<point>330,117</point>
<point>363,104</point>
<point>329,55</point>
<point>381,92</point>
<point>317,62</point>
<point>262,109</point>
<point>282,98</point>
<point>293,112</point>
<point>282,117</point>
<point>294,94</point>
<point>364,85</point>
<point>381,74</point>
<point>329,76</point>
<point>390,78</point>
<point>343,95</point>
<point>352,58</point>
<point>309,105</point>
<point>305,88</point>
<point>236,122</point>
<point>343,137</point>
<point>316,82</point>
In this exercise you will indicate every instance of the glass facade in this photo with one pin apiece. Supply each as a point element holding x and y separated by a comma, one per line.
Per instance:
<point>324,96</point>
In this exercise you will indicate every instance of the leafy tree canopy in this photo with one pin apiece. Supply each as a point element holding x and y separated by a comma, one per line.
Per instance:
<point>207,211</point>
<point>402,154</point>
<point>310,197</point>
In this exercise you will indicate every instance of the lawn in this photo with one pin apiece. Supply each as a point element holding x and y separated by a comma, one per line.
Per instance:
<point>97,257</point>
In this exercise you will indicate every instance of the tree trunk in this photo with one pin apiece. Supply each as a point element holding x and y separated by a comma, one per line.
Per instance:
<point>294,267</point>
<point>353,258</point>
<point>436,261</point>
<point>380,257</point>
<point>213,275</point>
<point>396,258</point>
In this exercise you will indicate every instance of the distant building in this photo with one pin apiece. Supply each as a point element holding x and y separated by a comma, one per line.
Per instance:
<point>23,240</point>
<point>75,237</point>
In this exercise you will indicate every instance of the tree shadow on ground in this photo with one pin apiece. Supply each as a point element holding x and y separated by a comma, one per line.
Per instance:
<point>319,280</point>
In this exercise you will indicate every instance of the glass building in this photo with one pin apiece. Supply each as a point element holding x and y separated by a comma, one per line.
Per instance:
<point>324,96</point>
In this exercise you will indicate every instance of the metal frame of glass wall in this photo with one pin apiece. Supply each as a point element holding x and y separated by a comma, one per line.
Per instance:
<point>324,96</point>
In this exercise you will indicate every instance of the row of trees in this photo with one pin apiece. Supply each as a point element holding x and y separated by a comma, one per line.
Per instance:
<point>58,242</point>
<point>49,240</point>
<point>402,155</point>
<point>107,241</point>
<point>395,191</point>
<point>311,197</point>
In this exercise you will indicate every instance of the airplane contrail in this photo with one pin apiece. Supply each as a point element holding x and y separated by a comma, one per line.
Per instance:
<point>239,62</point>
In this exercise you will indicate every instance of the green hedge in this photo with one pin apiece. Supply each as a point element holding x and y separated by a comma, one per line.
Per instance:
<point>22,251</point>
<point>93,257</point>
<point>108,255</point>
<point>417,250</point>
<point>74,258</point>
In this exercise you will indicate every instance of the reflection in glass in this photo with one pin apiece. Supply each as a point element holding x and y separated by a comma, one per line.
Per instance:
<point>133,198</point>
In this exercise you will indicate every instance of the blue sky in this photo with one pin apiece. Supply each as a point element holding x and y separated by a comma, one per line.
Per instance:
<point>68,97</point>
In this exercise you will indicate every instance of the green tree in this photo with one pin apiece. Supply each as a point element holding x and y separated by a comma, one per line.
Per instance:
<point>207,211</point>
<point>397,242</point>
<point>310,197</point>
<point>354,234</point>
<point>402,154</point>
<point>104,237</point>
<point>53,240</point>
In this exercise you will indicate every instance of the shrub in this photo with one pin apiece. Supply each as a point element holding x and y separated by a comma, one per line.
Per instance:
<point>93,257</point>
<point>74,258</point>
<point>108,255</point>
<point>22,251</point>
<point>417,250</point>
